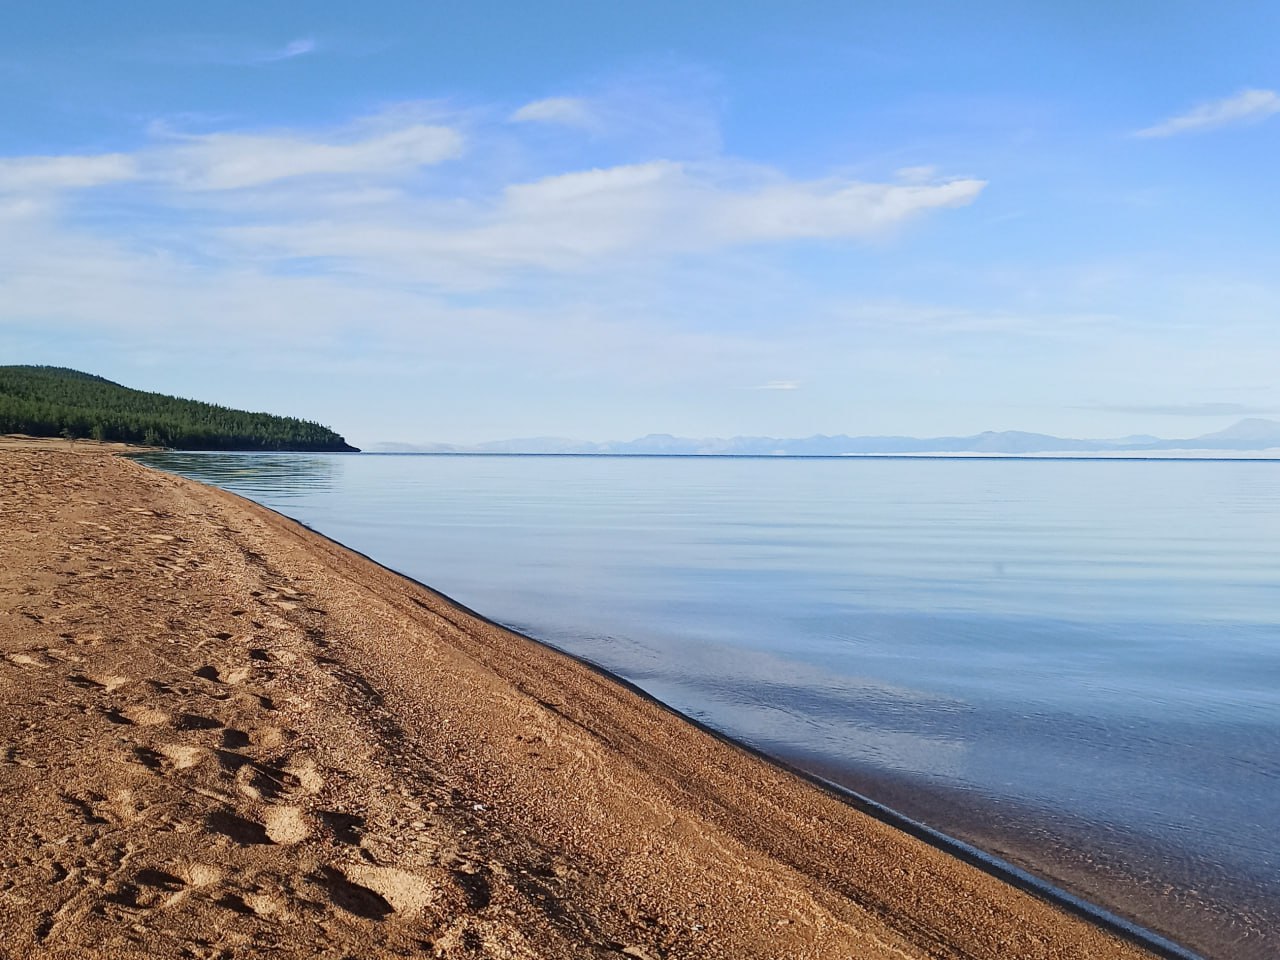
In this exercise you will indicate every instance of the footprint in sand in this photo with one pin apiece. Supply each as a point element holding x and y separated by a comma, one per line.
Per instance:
<point>409,893</point>
<point>144,716</point>
<point>150,888</point>
<point>234,739</point>
<point>126,807</point>
<point>243,831</point>
<point>63,656</point>
<point>95,808</point>
<point>25,660</point>
<point>106,682</point>
<point>82,639</point>
<point>265,905</point>
<point>115,716</point>
<point>200,874</point>
<point>182,757</point>
<point>287,825</point>
<point>307,773</point>
<point>85,806</point>
<point>345,827</point>
<point>195,721</point>
<point>352,897</point>
<point>269,737</point>
<point>257,781</point>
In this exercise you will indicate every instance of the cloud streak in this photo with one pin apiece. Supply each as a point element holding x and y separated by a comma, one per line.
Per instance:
<point>566,111</point>
<point>1247,106</point>
<point>295,48</point>
<point>672,115</point>
<point>27,175</point>
<point>230,161</point>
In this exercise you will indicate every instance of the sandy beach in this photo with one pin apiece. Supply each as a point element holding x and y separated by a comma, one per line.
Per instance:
<point>227,736</point>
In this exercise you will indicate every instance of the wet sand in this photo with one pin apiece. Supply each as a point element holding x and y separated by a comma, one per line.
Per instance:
<point>1213,913</point>
<point>226,736</point>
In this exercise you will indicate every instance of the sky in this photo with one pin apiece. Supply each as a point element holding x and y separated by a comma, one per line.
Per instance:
<point>427,221</point>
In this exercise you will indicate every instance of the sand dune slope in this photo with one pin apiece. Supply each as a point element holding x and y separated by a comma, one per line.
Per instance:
<point>223,736</point>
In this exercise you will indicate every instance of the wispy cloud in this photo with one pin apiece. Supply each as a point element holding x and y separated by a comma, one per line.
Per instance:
<point>779,385</point>
<point>568,111</point>
<point>1187,409</point>
<point>572,221</point>
<point>295,48</point>
<point>229,161</point>
<point>39,174</point>
<point>675,114</point>
<point>1247,106</point>
<point>222,49</point>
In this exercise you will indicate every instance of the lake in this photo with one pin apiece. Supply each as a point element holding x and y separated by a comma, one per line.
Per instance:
<point>1072,664</point>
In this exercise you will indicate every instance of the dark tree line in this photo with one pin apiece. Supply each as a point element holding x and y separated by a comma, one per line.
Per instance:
<point>56,402</point>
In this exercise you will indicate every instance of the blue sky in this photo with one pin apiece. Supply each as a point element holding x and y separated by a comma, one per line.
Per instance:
<point>424,221</point>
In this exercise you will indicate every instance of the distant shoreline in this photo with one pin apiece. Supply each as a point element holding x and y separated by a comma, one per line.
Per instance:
<point>1249,436</point>
<point>1263,456</point>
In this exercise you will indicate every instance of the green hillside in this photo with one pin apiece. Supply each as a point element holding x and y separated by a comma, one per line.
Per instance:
<point>57,402</point>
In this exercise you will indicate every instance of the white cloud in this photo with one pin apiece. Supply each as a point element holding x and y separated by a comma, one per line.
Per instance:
<point>681,206</point>
<point>296,48</point>
<point>229,161</point>
<point>833,208</point>
<point>569,111</point>
<point>572,221</point>
<point>39,174</point>
<point>335,242</point>
<point>1247,106</point>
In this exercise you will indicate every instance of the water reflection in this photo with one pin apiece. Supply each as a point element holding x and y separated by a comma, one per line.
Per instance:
<point>276,477</point>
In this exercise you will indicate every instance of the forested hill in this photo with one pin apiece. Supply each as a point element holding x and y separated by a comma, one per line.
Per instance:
<point>56,402</point>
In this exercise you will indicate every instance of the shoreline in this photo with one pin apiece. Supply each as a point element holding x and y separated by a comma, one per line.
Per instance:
<point>1021,878</point>
<point>593,820</point>
<point>1126,888</point>
<point>1001,869</point>
<point>1175,456</point>
<point>1184,886</point>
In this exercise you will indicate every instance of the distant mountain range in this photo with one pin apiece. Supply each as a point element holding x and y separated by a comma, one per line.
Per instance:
<point>1249,435</point>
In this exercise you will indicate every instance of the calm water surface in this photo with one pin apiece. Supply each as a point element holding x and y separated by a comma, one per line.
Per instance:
<point>1073,664</point>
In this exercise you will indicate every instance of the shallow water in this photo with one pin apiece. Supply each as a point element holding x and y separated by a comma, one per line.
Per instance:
<point>1074,664</point>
